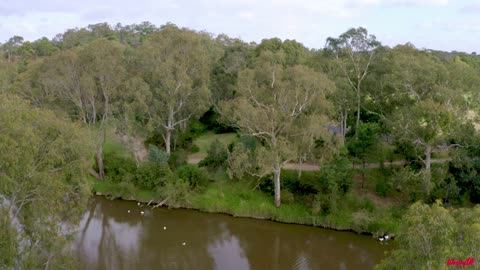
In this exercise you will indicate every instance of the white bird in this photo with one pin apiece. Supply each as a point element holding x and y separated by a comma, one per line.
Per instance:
<point>142,212</point>
<point>387,236</point>
<point>183,244</point>
<point>138,204</point>
<point>128,211</point>
<point>164,227</point>
<point>381,239</point>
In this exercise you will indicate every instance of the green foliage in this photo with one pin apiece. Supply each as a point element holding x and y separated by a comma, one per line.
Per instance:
<point>177,158</point>
<point>124,190</point>
<point>119,168</point>
<point>43,164</point>
<point>156,155</point>
<point>216,156</point>
<point>175,192</point>
<point>365,138</point>
<point>430,235</point>
<point>149,175</point>
<point>196,177</point>
<point>211,120</point>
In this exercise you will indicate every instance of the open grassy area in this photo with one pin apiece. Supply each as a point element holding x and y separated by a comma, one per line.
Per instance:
<point>205,140</point>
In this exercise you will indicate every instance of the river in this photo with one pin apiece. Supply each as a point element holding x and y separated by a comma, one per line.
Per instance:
<point>116,235</point>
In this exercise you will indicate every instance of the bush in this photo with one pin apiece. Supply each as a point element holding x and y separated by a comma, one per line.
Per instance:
<point>194,148</point>
<point>124,190</point>
<point>216,156</point>
<point>177,158</point>
<point>287,197</point>
<point>119,169</point>
<point>195,177</point>
<point>156,155</point>
<point>381,186</point>
<point>150,175</point>
<point>175,192</point>
<point>196,127</point>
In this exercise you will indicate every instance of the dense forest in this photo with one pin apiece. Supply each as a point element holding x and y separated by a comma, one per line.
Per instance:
<point>353,136</point>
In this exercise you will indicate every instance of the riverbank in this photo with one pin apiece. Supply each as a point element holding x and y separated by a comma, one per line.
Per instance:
<point>236,199</point>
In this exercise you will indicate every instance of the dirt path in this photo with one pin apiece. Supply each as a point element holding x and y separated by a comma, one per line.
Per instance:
<point>312,167</point>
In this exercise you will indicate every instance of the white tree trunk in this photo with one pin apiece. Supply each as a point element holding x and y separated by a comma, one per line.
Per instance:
<point>276,183</point>
<point>428,158</point>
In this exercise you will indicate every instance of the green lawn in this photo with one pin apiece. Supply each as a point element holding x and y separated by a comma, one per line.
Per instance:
<point>204,141</point>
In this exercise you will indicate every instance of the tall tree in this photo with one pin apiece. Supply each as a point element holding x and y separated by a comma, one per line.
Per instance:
<point>354,51</point>
<point>43,185</point>
<point>271,100</point>
<point>103,62</point>
<point>175,63</point>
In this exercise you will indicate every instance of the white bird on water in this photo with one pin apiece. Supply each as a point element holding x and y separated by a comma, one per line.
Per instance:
<point>183,244</point>
<point>142,212</point>
<point>164,227</point>
<point>138,204</point>
<point>387,236</point>
<point>381,239</point>
<point>128,211</point>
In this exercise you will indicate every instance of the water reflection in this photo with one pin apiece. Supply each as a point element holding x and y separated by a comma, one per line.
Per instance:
<point>115,235</point>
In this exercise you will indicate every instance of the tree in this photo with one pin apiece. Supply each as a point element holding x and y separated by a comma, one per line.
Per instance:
<point>84,82</point>
<point>362,145</point>
<point>175,64</point>
<point>426,124</point>
<point>103,62</point>
<point>271,100</point>
<point>354,51</point>
<point>43,186</point>
<point>11,46</point>
<point>431,235</point>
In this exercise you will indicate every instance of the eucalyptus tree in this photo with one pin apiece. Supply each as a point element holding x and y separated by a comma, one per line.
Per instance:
<point>104,74</point>
<point>43,186</point>
<point>82,82</point>
<point>11,46</point>
<point>427,108</point>
<point>272,104</point>
<point>354,51</point>
<point>175,64</point>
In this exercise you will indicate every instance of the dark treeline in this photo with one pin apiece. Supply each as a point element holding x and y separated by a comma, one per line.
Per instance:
<point>156,89</point>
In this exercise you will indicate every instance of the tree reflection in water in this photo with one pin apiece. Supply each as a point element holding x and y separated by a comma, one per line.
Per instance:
<point>112,238</point>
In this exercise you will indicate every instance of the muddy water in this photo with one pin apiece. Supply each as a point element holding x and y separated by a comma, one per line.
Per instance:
<point>111,237</point>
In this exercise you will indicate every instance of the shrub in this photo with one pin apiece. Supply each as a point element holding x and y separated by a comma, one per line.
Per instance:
<point>195,177</point>
<point>287,197</point>
<point>216,156</point>
<point>150,175</point>
<point>156,155</point>
<point>124,190</point>
<point>175,192</point>
<point>119,169</point>
<point>177,158</point>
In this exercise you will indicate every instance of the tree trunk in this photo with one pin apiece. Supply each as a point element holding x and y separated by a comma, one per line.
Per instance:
<point>99,154</point>
<point>344,129</point>
<point>276,182</point>
<point>363,173</point>
<point>358,109</point>
<point>428,158</point>
<point>101,167</point>
<point>300,163</point>
<point>168,137</point>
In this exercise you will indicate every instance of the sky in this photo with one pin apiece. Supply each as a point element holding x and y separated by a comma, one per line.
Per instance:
<point>433,24</point>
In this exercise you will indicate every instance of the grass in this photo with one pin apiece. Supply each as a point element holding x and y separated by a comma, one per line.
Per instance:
<point>205,140</point>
